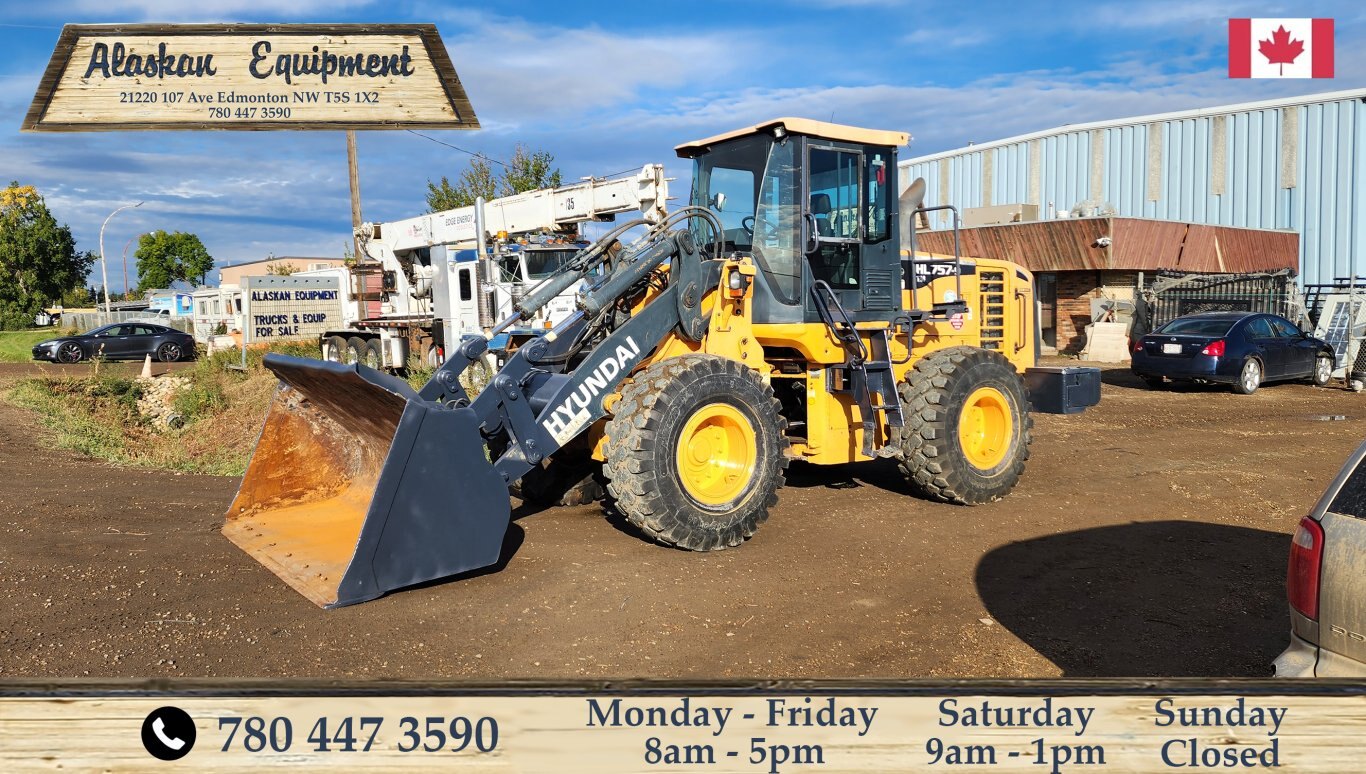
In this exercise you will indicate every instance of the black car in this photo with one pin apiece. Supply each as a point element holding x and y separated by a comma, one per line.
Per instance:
<point>1242,349</point>
<point>120,341</point>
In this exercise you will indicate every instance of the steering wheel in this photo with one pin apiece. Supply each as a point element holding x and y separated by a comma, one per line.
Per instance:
<point>747,223</point>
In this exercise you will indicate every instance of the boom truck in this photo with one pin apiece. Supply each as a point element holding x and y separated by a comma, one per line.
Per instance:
<point>429,280</point>
<point>777,317</point>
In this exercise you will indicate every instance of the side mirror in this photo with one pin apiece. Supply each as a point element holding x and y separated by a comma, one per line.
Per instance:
<point>718,202</point>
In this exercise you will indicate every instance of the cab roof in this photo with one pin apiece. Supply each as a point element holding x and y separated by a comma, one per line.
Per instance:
<point>804,126</point>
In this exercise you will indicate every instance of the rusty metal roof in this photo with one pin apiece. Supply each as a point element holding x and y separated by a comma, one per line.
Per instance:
<point>1135,244</point>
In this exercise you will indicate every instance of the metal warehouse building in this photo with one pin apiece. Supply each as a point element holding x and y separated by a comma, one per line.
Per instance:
<point>1287,164</point>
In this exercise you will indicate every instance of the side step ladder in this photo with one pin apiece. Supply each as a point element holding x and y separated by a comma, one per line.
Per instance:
<point>868,372</point>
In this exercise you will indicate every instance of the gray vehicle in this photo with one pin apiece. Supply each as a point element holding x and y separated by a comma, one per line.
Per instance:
<point>1326,582</point>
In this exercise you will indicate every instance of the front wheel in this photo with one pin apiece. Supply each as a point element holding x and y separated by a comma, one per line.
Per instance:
<point>1250,378</point>
<point>1323,370</point>
<point>968,427</point>
<point>70,352</point>
<point>696,451</point>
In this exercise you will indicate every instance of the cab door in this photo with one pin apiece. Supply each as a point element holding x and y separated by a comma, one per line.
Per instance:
<point>850,235</point>
<point>833,225</point>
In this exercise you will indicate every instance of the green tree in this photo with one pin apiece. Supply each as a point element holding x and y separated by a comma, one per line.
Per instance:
<point>165,258</point>
<point>280,269</point>
<point>526,171</point>
<point>38,258</point>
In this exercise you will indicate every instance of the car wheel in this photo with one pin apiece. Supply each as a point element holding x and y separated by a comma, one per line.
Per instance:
<point>70,352</point>
<point>1154,382</point>
<point>169,352</point>
<point>1323,370</point>
<point>1250,378</point>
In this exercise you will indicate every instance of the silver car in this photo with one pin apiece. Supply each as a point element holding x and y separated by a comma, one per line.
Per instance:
<point>1326,582</point>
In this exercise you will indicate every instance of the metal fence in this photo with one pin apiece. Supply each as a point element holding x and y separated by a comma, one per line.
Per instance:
<point>84,321</point>
<point>1172,295</point>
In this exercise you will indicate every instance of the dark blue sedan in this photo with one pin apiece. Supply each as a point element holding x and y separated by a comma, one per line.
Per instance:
<point>1242,349</point>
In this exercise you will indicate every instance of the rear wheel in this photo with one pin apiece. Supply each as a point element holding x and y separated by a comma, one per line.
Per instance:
<point>1323,370</point>
<point>334,349</point>
<point>355,350</point>
<point>1250,378</point>
<point>70,352</point>
<point>968,427</point>
<point>169,352</point>
<point>373,357</point>
<point>696,451</point>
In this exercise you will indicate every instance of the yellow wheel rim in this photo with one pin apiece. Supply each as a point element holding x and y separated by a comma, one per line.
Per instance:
<point>985,427</point>
<point>716,454</point>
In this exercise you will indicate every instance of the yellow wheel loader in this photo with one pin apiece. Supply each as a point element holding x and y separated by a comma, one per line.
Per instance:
<point>775,318</point>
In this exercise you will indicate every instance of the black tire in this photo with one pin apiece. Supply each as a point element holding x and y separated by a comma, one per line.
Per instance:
<point>1154,382</point>
<point>70,352</point>
<point>355,350</point>
<point>169,352</point>
<point>1323,370</point>
<point>334,349</point>
<point>643,440</point>
<point>1249,377</point>
<point>373,356</point>
<point>933,398</point>
<point>566,480</point>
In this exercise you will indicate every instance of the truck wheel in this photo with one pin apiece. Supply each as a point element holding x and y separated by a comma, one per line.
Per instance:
<point>696,451</point>
<point>355,350</point>
<point>968,427</point>
<point>373,357</point>
<point>334,349</point>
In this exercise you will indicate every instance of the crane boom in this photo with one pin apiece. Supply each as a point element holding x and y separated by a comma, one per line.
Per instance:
<point>547,209</point>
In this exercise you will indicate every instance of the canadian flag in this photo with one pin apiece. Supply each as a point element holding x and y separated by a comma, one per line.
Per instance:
<point>1280,48</point>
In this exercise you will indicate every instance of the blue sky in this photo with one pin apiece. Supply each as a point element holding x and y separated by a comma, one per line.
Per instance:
<point>610,86</point>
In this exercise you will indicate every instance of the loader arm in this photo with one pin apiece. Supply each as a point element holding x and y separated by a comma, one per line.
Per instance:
<point>543,411</point>
<point>359,486</point>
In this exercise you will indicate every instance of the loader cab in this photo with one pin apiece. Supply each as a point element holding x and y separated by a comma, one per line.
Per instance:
<point>808,201</point>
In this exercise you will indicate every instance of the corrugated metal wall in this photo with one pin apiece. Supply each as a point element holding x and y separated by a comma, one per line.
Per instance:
<point>1281,165</point>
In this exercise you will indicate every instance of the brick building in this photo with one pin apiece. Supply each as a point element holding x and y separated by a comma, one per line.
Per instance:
<point>1076,260</point>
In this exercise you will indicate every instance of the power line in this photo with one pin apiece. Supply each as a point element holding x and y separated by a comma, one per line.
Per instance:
<point>462,150</point>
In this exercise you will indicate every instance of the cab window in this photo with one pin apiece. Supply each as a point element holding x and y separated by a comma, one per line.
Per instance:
<point>876,179</point>
<point>1283,328</point>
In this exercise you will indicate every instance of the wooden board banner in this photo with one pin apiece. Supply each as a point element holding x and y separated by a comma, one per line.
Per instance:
<point>1041,727</point>
<point>249,77</point>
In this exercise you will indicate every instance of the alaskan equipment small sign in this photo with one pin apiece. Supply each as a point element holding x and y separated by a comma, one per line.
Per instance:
<point>249,77</point>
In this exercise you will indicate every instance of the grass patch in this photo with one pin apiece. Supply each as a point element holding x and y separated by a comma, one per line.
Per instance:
<point>17,346</point>
<point>222,406</point>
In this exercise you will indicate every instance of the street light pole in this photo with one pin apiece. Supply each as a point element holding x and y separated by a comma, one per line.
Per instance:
<point>104,265</point>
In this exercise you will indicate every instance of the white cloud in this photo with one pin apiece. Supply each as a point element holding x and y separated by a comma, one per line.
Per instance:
<point>204,10</point>
<point>947,37</point>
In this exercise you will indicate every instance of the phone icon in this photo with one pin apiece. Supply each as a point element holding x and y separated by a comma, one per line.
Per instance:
<point>168,733</point>
<point>159,728</point>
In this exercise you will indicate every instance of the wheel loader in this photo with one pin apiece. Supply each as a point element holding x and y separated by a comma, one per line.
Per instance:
<point>775,318</point>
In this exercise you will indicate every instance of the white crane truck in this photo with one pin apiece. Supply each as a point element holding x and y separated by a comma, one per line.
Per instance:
<point>424,282</point>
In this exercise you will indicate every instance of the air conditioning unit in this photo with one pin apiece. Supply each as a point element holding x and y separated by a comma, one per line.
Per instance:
<point>319,266</point>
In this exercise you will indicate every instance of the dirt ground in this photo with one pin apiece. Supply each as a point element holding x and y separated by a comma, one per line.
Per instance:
<point>1148,537</point>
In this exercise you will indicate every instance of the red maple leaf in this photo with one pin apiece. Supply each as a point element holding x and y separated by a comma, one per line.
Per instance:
<point>1281,49</point>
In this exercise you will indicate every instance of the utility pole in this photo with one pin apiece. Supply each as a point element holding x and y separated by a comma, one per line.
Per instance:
<point>125,264</point>
<point>354,174</point>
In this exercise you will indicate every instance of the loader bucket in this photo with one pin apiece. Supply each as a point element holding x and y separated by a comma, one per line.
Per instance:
<point>358,487</point>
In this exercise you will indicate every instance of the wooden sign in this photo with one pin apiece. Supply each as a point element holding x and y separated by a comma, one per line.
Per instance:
<point>249,77</point>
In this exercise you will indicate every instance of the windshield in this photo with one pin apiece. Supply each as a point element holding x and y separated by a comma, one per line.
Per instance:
<point>539,263</point>
<point>1198,326</point>
<point>751,185</point>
